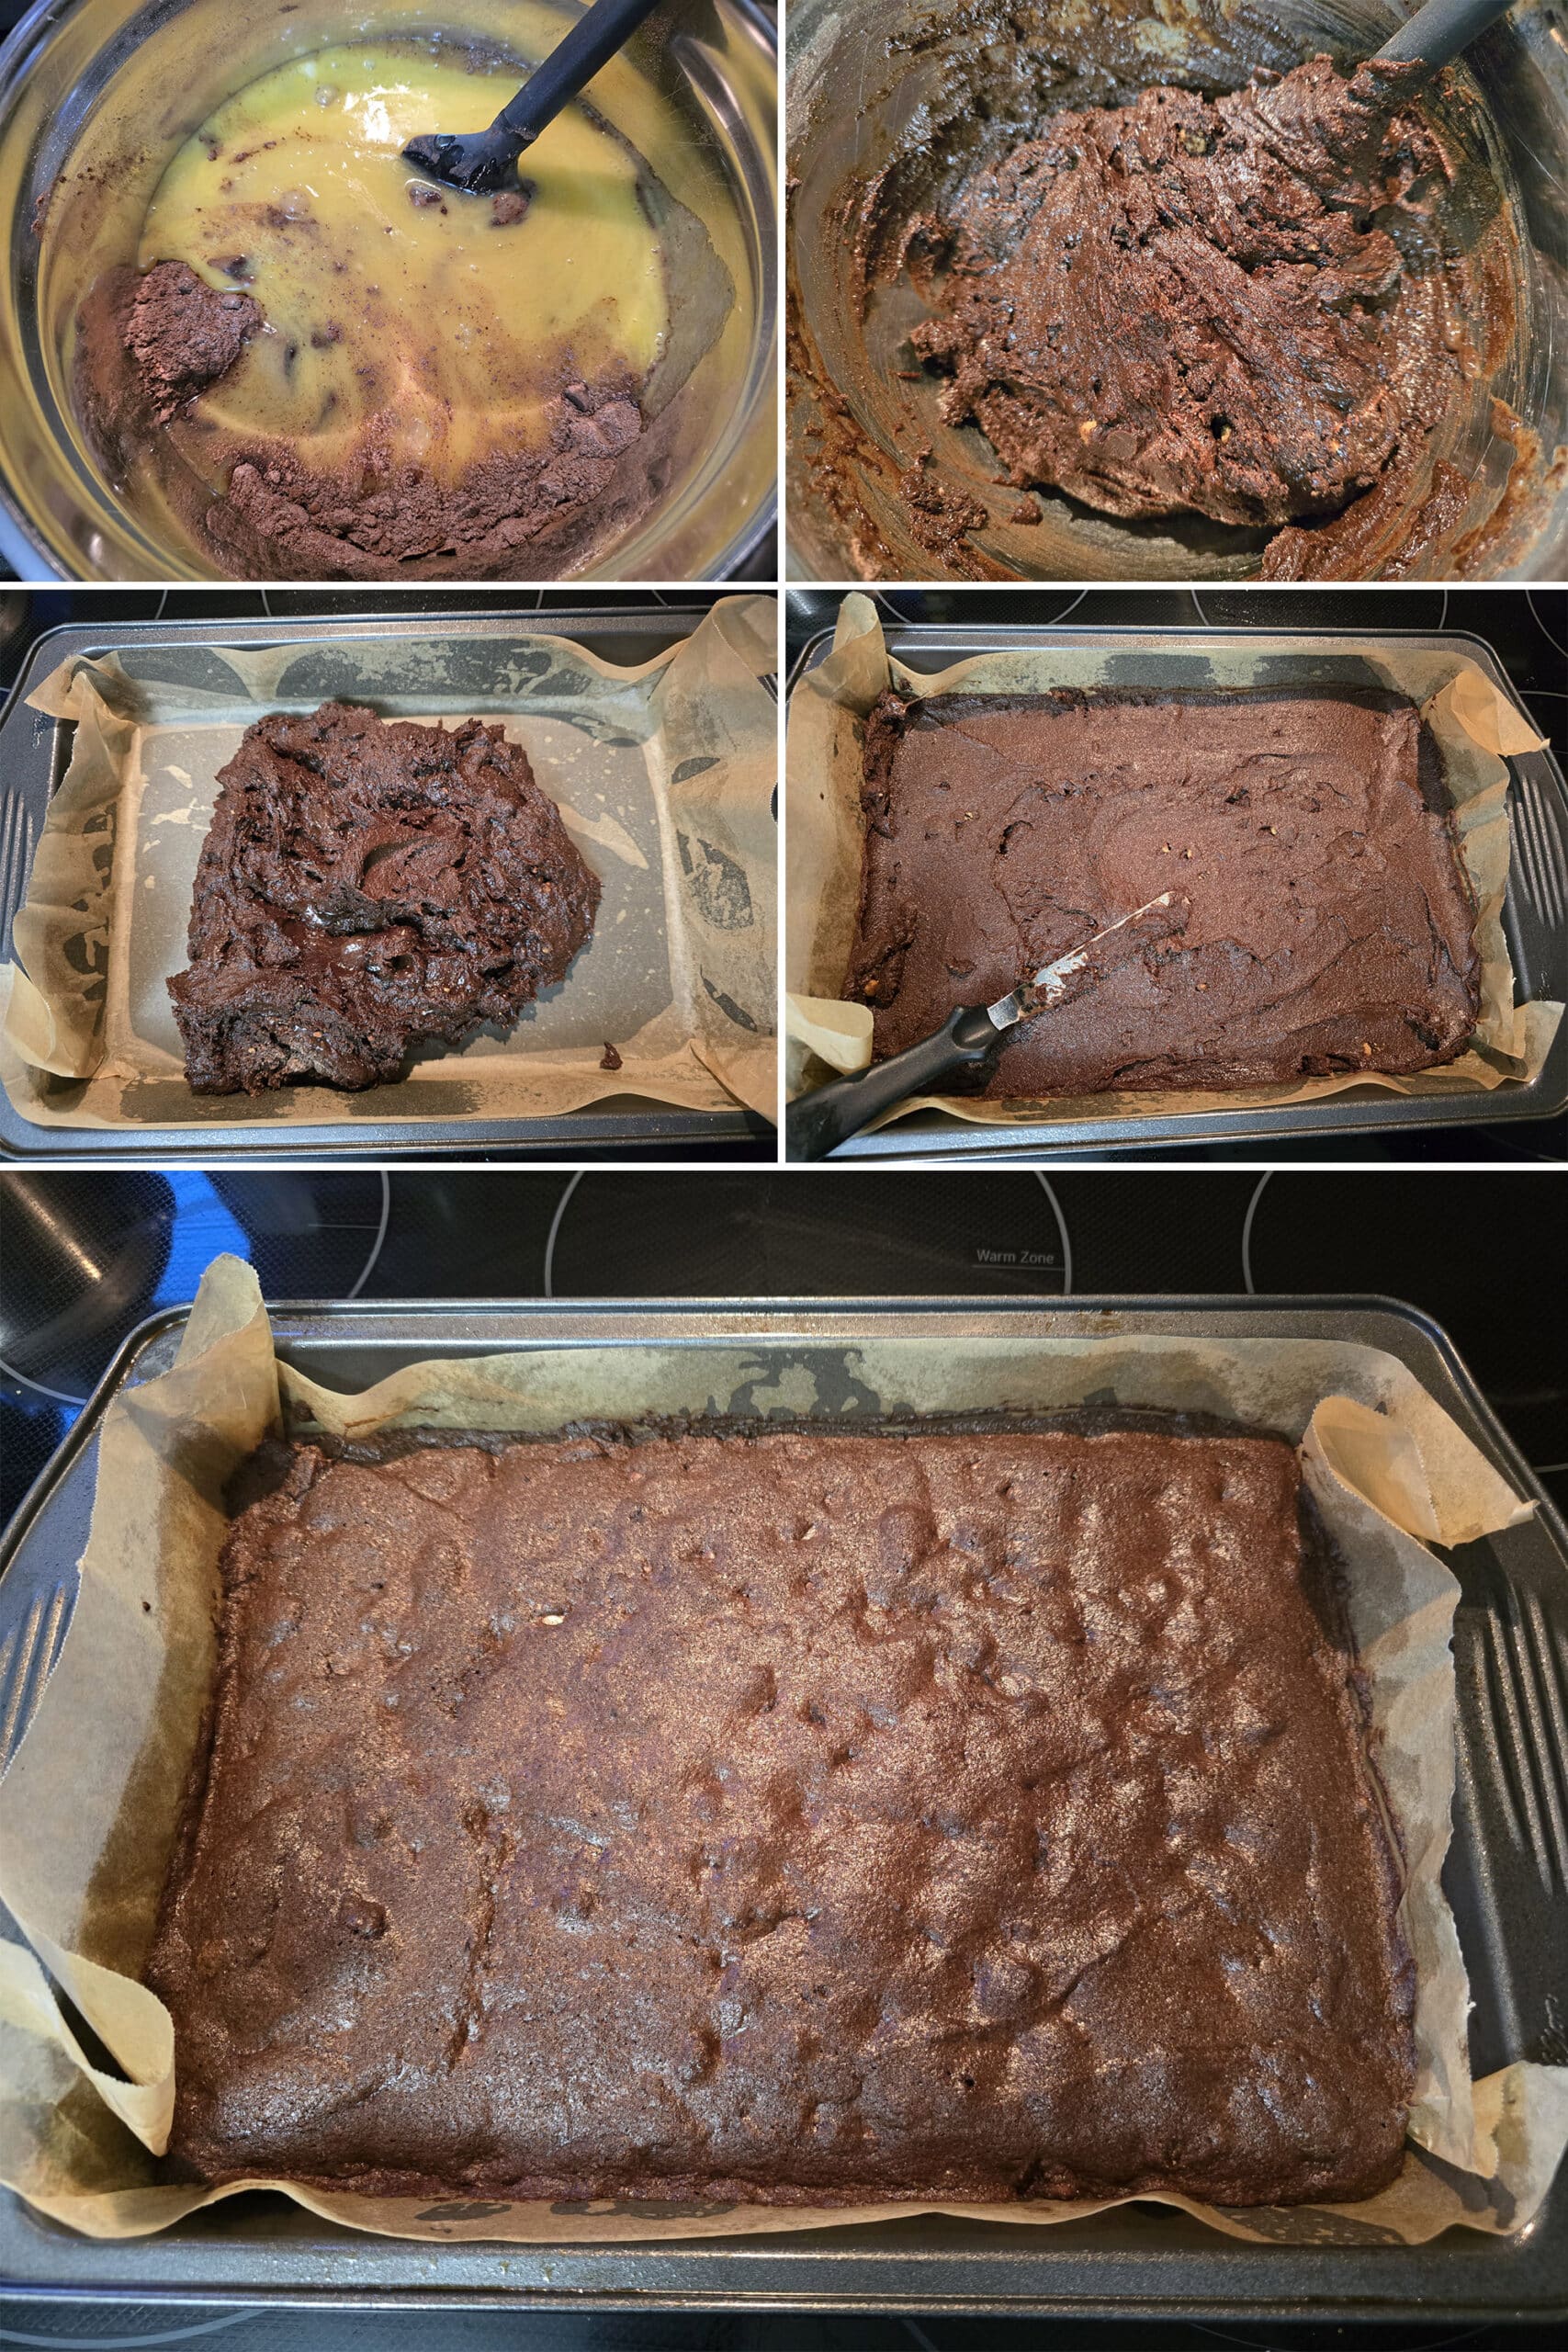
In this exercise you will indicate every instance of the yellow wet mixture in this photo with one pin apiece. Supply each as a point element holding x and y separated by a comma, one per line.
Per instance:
<point>363,369</point>
<point>391,301</point>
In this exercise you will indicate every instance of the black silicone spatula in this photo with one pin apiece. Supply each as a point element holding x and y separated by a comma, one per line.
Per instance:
<point>481,161</point>
<point>1439,31</point>
<point>820,1121</point>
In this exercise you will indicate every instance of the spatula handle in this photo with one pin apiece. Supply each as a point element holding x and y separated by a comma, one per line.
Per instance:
<point>1439,31</point>
<point>598,33</point>
<point>819,1122</point>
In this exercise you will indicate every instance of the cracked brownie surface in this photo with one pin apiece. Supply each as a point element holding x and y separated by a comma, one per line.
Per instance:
<point>798,1817</point>
<point>367,884</point>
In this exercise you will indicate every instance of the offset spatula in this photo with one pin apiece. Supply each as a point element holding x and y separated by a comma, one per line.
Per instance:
<point>819,1122</point>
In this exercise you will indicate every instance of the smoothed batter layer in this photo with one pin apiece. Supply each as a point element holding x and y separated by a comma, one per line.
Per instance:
<point>364,885</point>
<point>796,1818</point>
<point>1237,307</point>
<point>1331,927</point>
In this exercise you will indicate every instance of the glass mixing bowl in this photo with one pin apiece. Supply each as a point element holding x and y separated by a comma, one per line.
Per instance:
<point>111,88</point>
<point>874,80</point>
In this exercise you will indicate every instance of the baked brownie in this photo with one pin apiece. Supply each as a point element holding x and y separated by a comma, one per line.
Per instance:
<point>796,1818</point>
<point>1331,926</point>
<point>365,884</point>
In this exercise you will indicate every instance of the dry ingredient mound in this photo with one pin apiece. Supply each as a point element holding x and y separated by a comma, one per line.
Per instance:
<point>389,513</point>
<point>183,334</point>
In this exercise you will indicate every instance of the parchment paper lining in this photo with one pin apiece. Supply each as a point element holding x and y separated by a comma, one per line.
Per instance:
<point>663,773</point>
<point>1472,723</point>
<point>88,1810</point>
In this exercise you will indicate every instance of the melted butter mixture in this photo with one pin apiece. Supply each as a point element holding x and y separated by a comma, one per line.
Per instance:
<point>426,325</point>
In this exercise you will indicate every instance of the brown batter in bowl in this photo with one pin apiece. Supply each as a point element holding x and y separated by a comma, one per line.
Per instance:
<point>1088,293</point>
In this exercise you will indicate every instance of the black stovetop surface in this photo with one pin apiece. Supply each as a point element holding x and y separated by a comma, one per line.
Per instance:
<point>87,1256</point>
<point>126,2325</point>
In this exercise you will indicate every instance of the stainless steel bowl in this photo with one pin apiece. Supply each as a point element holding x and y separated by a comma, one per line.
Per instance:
<point>870,80</point>
<point>111,87</point>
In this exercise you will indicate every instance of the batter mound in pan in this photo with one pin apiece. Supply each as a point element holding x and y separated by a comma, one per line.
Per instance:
<point>367,885</point>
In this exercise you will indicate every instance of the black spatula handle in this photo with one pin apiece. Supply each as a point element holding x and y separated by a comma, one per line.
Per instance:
<point>1439,31</point>
<point>819,1122</point>
<point>598,33</point>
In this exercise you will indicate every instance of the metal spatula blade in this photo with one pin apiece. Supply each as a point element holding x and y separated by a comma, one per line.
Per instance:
<point>1056,983</point>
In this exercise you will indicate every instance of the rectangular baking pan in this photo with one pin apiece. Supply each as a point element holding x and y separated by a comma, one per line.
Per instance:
<point>1507,1878</point>
<point>35,750</point>
<point>1535,911</point>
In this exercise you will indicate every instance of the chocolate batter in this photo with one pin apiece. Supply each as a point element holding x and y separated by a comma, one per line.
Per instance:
<point>1228,306</point>
<point>810,1818</point>
<point>365,885</point>
<point>1331,925</point>
<point>1232,417</point>
<point>379,515</point>
<point>283,517</point>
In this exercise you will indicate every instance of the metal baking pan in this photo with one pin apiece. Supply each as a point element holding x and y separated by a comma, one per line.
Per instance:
<point>34,752</point>
<point>1507,1878</point>
<point>1535,911</point>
